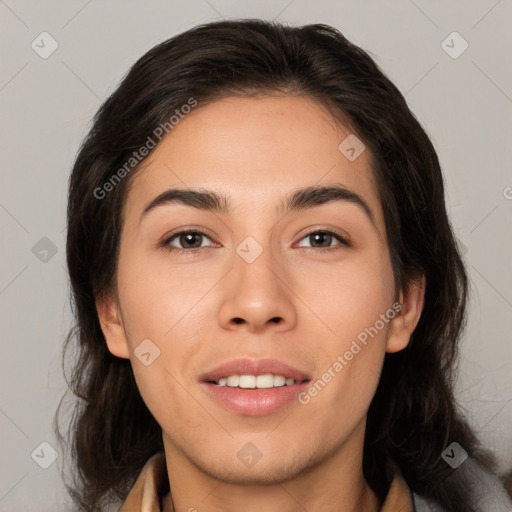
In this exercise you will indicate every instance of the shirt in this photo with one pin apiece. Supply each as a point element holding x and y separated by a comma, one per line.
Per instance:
<point>144,496</point>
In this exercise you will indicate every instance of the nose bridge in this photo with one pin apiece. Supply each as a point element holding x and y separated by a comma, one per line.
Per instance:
<point>256,252</point>
<point>258,294</point>
<point>256,267</point>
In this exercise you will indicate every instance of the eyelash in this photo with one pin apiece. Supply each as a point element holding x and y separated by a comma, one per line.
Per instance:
<point>342,240</point>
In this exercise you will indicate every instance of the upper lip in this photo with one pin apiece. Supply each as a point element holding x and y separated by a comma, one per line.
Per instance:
<point>246,366</point>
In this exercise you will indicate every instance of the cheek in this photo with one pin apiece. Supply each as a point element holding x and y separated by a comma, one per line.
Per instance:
<point>159,306</point>
<point>163,393</point>
<point>355,309</point>
<point>341,393</point>
<point>349,296</point>
<point>157,299</point>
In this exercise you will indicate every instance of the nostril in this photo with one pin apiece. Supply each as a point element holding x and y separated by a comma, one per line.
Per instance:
<point>238,320</point>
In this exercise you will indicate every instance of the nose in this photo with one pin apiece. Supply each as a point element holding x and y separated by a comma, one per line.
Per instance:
<point>257,296</point>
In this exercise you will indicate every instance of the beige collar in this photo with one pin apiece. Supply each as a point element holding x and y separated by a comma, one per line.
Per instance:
<point>144,495</point>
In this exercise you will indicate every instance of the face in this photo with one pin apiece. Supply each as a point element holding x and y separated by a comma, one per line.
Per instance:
<point>309,288</point>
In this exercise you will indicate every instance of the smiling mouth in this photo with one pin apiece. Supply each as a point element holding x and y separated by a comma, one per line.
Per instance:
<point>253,382</point>
<point>254,388</point>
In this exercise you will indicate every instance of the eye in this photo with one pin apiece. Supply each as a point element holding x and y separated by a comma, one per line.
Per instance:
<point>189,239</point>
<point>323,239</point>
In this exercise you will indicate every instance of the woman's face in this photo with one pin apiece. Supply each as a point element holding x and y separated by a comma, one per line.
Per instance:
<point>270,280</point>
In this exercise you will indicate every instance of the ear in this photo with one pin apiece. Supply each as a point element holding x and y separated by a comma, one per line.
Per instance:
<point>404,323</point>
<point>112,325</point>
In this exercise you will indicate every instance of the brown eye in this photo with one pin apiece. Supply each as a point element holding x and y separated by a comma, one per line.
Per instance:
<point>324,239</point>
<point>187,240</point>
<point>194,239</point>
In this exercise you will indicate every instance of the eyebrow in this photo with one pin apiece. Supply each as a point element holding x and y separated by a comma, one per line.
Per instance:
<point>300,199</point>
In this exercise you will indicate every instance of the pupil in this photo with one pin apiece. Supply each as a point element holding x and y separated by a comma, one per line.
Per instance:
<point>321,236</point>
<point>187,239</point>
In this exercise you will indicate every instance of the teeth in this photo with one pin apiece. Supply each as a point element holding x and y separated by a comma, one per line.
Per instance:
<point>247,381</point>
<point>251,381</point>
<point>279,380</point>
<point>264,381</point>
<point>233,381</point>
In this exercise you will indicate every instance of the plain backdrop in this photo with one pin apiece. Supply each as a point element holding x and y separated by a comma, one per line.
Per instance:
<point>464,101</point>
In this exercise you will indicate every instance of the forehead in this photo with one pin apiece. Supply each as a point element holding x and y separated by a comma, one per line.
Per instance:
<point>256,151</point>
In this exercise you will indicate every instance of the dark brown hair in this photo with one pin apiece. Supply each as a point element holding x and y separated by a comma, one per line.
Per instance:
<point>413,416</point>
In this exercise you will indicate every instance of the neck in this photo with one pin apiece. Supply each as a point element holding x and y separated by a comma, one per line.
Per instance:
<point>336,483</point>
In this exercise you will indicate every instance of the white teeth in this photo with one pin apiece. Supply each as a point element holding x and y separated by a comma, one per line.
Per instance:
<point>232,381</point>
<point>265,381</point>
<point>279,380</point>
<point>247,381</point>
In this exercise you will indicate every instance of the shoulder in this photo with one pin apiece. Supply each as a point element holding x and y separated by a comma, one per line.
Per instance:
<point>486,489</point>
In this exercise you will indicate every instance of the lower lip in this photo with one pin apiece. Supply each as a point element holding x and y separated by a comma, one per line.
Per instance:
<point>254,402</point>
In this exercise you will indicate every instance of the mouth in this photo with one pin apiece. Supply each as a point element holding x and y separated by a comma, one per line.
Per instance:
<point>254,387</point>
<point>255,373</point>
<point>265,381</point>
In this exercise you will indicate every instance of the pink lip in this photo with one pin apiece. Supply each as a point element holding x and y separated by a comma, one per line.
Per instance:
<point>245,366</point>
<point>254,402</point>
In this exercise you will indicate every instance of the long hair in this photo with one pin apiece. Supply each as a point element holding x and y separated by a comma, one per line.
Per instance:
<point>413,416</point>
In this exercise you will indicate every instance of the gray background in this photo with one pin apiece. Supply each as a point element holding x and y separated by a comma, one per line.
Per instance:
<point>464,103</point>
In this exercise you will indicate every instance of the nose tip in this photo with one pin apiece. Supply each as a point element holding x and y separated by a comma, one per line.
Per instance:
<point>255,296</point>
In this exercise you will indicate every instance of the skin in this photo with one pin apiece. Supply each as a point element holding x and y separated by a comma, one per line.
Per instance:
<point>257,151</point>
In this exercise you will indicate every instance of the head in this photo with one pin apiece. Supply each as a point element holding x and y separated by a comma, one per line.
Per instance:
<point>301,247</point>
